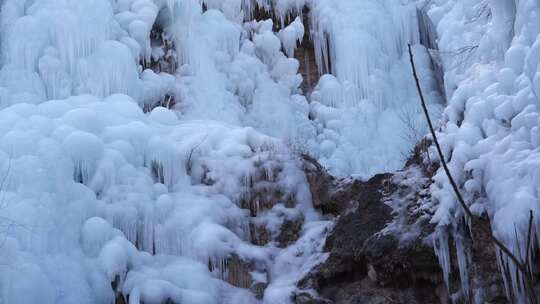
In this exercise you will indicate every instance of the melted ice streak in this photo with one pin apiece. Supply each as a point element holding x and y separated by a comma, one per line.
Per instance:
<point>93,190</point>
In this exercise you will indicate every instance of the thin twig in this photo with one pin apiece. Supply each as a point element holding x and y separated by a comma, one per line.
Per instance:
<point>193,150</point>
<point>516,240</point>
<point>529,235</point>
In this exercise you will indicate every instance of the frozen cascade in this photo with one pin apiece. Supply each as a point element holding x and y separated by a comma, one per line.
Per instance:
<point>110,184</point>
<point>370,87</point>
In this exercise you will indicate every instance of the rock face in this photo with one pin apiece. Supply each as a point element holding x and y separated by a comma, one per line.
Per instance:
<point>305,54</point>
<point>379,250</point>
<point>381,247</point>
<point>365,216</point>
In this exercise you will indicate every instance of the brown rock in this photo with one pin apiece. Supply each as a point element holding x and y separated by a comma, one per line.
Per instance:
<point>290,231</point>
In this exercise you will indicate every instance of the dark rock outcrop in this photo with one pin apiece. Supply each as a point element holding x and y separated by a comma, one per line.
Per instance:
<point>321,185</point>
<point>377,250</point>
<point>365,216</point>
<point>289,231</point>
<point>381,247</point>
<point>305,54</point>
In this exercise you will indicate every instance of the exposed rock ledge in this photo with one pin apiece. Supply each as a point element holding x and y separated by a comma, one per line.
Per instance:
<point>380,250</point>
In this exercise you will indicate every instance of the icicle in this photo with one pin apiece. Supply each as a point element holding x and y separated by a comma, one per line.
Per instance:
<point>126,220</point>
<point>330,92</point>
<point>440,245</point>
<point>464,260</point>
<point>147,230</point>
<point>108,71</point>
<point>287,8</point>
<point>516,241</point>
<point>86,150</point>
<point>57,82</point>
<point>165,162</point>
<point>356,51</point>
<point>23,53</point>
<point>291,36</point>
<point>512,278</point>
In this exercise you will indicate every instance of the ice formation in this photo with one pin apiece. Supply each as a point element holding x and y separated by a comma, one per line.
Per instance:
<point>369,96</point>
<point>490,131</point>
<point>128,187</point>
<point>141,140</point>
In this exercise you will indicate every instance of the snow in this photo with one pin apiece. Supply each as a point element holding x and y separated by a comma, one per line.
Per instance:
<point>295,262</point>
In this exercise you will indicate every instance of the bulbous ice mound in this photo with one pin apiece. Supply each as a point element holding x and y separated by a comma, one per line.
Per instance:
<point>490,130</point>
<point>163,116</point>
<point>99,183</point>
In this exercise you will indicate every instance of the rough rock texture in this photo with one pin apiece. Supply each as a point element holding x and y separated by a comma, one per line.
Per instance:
<point>378,249</point>
<point>238,272</point>
<point>381,247</point>
<point>305,54</point>
<point>321,185</point>
<point>259,235</point>
<point>290,231</point>
<point>355,226</point>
